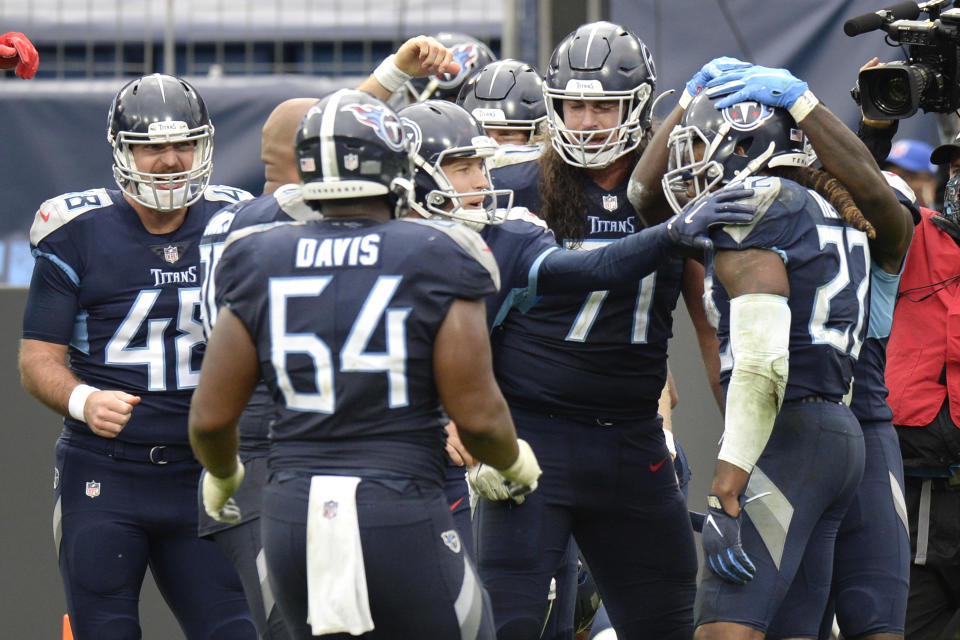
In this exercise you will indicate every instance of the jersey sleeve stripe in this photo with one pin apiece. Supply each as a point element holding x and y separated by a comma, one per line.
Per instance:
<point>67,269</point>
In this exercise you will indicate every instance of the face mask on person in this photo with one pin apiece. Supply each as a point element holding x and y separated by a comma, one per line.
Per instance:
<point>951,199</point>
<point>949,220</point>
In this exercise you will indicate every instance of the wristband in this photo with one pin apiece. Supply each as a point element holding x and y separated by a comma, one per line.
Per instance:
<point>803,106</point>
<point>78,400</point>
<point>671,443</point>
<point>390,75</point>
<point>685,99</point>
<point>525,469</point>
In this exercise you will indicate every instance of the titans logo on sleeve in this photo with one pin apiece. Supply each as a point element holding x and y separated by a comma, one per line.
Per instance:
<point>127,302</point>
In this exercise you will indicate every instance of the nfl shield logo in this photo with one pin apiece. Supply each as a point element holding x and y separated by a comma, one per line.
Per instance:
<point>610,203</point>
<point>171,254</point>
<point>451,539</point>
<point>351,161</point>
<point>330,509</point>
<point>93,489</point>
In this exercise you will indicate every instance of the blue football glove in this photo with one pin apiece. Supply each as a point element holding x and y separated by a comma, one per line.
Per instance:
<point>691,228</point>
<point>772,87</point>
<point>711,70</point>
<point>722,546</point>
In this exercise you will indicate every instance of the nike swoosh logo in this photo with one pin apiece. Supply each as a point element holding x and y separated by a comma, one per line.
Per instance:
<point>45,216</point>
<point>656,467</point>
<point>456,504</point>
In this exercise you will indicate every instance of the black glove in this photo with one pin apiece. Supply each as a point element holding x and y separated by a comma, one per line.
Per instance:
<point>690,227</point>
<point>722,545</point>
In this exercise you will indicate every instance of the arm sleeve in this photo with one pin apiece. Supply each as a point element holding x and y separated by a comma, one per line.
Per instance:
<point>52,301</point>
<point>629,258</point>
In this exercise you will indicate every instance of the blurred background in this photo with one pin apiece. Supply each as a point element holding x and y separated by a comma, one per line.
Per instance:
<point>245,57</point>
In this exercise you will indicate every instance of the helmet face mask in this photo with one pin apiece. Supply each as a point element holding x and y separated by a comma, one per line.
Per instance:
<point>439,131</point>
<point>711,147</point>
<point>160,110</point>
<point>597,148</point>
<point>351,145</point>
<point>599,62</point>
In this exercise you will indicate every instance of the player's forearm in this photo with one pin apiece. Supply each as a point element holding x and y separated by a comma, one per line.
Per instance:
<point>729,481</point>
<point>486,429</point>
<point>644,189</point>
<point>847,159</point>
<point>45,375</point>
<point>628,259</point>
<point>215,449</point>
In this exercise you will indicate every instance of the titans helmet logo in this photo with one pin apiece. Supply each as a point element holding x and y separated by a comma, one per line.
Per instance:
<point>466,56</point>
<point>747,116</point>
<point>648,59</point>
<point>413,134</point>
<point>386,125</point>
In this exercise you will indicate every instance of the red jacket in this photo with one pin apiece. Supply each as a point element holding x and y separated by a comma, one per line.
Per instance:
<point>926,334</point>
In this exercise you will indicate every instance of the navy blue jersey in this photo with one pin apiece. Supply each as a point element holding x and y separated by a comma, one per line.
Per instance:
<point>561,355</point>
<point>344,315</point>
<point>523,178</point>
<point>828,265</point>
<point>127,302</point>
<point>519,246</point>
<point>284,204</point>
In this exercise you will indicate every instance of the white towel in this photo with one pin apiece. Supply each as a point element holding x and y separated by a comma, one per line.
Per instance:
<point>336,581</point>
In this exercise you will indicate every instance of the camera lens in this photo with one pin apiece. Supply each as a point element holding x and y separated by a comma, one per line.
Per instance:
<point>893,91</point>
<point>894,97</point>
<point>889,91</point>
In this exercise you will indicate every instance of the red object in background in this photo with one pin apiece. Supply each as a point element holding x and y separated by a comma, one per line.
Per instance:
<point>16,50</point>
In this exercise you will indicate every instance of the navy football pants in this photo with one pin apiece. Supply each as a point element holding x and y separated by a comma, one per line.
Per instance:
<point>113,519</point>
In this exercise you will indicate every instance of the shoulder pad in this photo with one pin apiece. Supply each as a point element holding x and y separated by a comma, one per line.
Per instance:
<point>468,240</point>
<point>239,234</point>
<point>766,190</point>
<point>508,154</point>
<point>525,215</point>
<point>220,223</point>
<point>223,193</point>
<point>56,212</point>
<point>289,198</point>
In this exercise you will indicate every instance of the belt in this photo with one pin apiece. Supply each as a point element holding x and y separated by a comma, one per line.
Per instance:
<point>158,454</point>
<point>812,399</point>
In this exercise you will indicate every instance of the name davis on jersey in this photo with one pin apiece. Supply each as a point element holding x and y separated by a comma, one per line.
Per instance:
<point>338,252</point>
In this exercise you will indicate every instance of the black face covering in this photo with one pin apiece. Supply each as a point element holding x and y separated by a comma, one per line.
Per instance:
<point>949,220</point>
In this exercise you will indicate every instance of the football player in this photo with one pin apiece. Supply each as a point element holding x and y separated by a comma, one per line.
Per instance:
<point>239,535</point>
<point>506,97</point>
<point>239,531</point>
<point>789,295</point>
<point>583,373</point>
<point>360,325</point>
<point>449,148</point>
<point>112,340</point>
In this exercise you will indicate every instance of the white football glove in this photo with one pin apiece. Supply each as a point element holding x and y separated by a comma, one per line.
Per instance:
<point>487,482</point>
<point>513,483</point>
<point>217,492</point>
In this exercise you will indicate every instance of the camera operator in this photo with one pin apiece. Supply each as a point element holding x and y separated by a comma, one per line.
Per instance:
<point>924,382</point>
